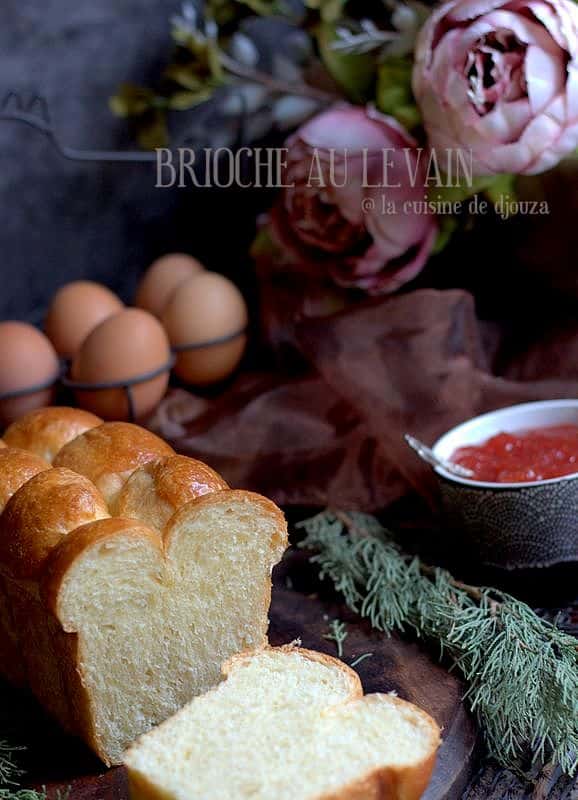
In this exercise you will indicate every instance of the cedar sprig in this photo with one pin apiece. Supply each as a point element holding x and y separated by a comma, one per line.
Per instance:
<point>33,794</point>
<point>10,772</point>
<point>9,769</point>
<point>521,671</point>
<point>338,634</point>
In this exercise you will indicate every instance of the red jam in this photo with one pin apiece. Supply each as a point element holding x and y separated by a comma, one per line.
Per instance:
<point>524,456</point>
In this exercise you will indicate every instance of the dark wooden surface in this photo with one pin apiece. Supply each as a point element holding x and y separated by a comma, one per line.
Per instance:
<point>298,611</point>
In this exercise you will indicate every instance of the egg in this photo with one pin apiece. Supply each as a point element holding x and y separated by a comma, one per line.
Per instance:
<point>75,311</point>
<point>204,308</point>
<point>127,345</point>
<point>27,359</point>
<point>162,278</point>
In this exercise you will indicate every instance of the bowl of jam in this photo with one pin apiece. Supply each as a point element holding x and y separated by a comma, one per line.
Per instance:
<point>518,508</point>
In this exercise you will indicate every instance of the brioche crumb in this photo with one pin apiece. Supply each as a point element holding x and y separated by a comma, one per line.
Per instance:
<point>155,628</point>
<point>281,726</point>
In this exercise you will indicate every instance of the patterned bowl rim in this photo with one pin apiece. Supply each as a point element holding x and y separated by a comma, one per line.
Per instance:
<point>478,429</point>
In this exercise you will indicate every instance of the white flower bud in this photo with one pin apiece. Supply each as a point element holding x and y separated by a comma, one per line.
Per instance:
<point>244,50</point>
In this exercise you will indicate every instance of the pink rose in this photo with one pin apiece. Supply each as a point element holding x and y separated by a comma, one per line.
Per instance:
<point>351,231</point>
<point>500,79</point>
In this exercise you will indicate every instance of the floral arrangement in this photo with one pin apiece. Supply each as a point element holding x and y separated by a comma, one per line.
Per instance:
<point>454,100</point>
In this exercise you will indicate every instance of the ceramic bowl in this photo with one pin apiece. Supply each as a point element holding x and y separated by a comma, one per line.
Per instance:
<point>512,525</point>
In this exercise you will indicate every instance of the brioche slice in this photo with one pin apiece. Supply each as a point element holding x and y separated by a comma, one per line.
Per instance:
<point>45,431</point>
<point>287,724</point>
<point>153,618</point>
<point>109,454</point>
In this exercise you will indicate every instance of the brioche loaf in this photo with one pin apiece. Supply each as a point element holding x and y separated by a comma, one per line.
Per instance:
<point>287,724</point>
<point>45,431</point>
<point>115,623</point>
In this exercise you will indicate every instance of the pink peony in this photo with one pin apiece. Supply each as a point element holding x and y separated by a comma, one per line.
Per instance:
<point>350,231</point>
<point>499,79</point>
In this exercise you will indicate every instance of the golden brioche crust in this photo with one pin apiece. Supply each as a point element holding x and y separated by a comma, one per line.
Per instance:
<point>110,453</point>
<point>154,492</point>
<point>2,443</point>
<point>16,468</point>
<point>384,784</point>
<point>237,660</point>
<point>389,783</point>
<point>43,511</point>
<point>45,431</point>
<point>394,783</point>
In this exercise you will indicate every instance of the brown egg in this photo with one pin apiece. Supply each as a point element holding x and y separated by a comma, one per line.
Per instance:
<point>75,311</point>
<point>127,345</point>
<point>27,359</point>
<point>204,308</point>
<point>162,278</point>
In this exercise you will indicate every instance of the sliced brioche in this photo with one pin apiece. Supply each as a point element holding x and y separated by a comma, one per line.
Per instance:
<point>291,725</point>
<point>105,584</point>
<point>115,624</point>
<point>221,548</point>
<point>110,453</point>
<point>45,431</point>
<point>155,491</point>
<point>155,617</point>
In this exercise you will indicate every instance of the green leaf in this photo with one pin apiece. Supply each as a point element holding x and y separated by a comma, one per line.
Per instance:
<point>131,100</point>
<point>184,76</point>
<point>204,60</point>
<point>263,245</point>
<point>214,63</point>
<point>394,94</point>
<point>501,185</point>
<point>355,73</point>
<point>329,10</point>
<point>265,8</point>
<point>493,186</point>
<point>153,131</point>
<point>446,228</point>
<point>181,101</point>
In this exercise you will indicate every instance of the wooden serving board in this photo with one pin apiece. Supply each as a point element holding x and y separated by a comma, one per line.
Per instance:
<point>297,612</point>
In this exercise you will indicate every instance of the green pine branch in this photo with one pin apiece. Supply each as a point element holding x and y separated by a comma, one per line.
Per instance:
<point>10,772</point>
<point>521,671</point>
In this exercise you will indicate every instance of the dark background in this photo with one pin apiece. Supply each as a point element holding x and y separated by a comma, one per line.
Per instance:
<point>63,220</point>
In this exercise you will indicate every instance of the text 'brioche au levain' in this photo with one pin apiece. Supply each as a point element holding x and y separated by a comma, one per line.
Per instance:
<point>128,574</point>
